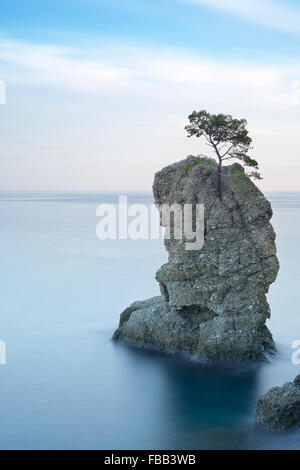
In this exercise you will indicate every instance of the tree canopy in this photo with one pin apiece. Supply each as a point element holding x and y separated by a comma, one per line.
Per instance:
<point>227,136</point>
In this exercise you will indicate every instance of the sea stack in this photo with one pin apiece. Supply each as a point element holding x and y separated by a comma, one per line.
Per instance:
<point>213,305</point>
<point>279,409</point>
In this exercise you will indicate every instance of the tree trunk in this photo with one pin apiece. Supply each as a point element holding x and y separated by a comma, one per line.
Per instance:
<point>219,180</point>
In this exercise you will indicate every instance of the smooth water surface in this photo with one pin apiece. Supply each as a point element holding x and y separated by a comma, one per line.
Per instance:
<point>66,385</point>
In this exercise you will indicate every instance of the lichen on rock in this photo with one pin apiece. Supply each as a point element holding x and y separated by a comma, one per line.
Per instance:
<point>213,305</point>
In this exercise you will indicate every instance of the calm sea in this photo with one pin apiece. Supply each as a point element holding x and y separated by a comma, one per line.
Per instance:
<point>66,385</point>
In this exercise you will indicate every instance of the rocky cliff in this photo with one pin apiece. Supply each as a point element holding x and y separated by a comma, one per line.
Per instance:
<point>279,409</point>
<point>213,305</point>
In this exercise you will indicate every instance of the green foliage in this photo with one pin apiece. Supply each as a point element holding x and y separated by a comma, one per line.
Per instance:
<point>239,175</point>
<point>256,175</point>
<point>208,164</point>
<point>242,177</point>
<point>208,171</point>
<point>206,161</point>
<point>191,164</point>
<point>219,128</point>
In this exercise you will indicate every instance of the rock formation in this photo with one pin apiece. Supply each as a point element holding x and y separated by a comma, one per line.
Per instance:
<point>213,305</point>
<point>279,409</point>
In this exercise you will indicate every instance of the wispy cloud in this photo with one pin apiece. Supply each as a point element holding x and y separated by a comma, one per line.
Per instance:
<point>76,70</point>
<point>58,66</point>
<point>84,107</point>
<point>279,15</point>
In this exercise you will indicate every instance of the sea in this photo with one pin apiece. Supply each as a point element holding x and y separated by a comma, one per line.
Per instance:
<point>66,385</point>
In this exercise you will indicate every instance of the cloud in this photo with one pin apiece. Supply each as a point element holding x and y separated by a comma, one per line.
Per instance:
<point>118,103</point>
<point>134,70</point>
<point>271,13</point>
<point>57,65</point>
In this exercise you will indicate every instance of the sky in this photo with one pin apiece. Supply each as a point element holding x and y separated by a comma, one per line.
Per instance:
<point>98,92</point>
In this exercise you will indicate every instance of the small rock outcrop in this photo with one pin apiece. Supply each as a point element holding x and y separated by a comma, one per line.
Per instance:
<point>213,305</point>
<point>279,409</point>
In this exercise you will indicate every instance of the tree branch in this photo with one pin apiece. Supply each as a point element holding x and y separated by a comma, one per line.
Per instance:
<point>230,148</point>
<point>215,146</point>
<point>229,158</point>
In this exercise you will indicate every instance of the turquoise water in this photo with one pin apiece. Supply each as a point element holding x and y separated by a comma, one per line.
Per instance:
<point>66,385</point>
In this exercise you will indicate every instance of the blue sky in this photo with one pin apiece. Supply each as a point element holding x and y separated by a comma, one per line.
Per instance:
<point>98,91</point>
<point>178,23</point>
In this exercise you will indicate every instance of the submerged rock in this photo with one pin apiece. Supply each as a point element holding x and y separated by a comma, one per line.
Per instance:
<point>213,305</point>
<point>279,409</point>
